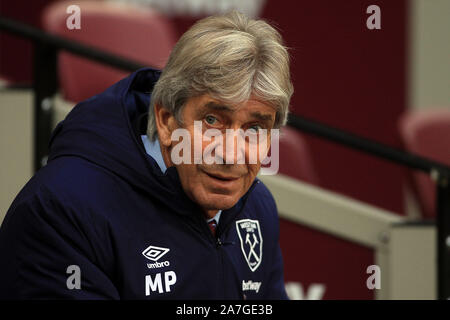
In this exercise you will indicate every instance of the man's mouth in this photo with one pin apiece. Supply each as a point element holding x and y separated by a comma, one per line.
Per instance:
<point>222,177</point>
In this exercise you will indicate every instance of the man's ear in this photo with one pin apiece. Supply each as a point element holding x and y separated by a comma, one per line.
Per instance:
<point>165,124</point>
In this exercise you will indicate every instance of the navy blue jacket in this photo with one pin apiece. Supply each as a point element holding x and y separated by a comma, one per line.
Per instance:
<point>102,204</point>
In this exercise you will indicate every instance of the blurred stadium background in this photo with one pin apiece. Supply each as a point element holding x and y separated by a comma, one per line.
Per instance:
<point>341,210</point>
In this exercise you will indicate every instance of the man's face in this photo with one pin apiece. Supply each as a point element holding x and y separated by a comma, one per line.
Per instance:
<point>219,186</point>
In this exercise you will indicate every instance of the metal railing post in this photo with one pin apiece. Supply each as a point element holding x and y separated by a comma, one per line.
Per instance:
<point>45,85</point>
<point>443,235</point>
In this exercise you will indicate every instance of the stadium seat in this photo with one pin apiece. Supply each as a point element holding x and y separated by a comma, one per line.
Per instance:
<point>137,33</point>
<point>426,133</point>
<point>295,156</point>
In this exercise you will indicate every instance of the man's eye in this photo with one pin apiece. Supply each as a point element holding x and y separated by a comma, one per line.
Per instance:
<point>255,127</point>
<point>210,120</point>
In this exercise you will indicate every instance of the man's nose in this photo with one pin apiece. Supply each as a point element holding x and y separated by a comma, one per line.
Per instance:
<point>233,148</point>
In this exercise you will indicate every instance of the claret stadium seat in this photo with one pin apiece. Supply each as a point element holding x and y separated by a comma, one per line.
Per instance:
<point>426,133</point>
<point>136,33</point>
<point>295,156</point>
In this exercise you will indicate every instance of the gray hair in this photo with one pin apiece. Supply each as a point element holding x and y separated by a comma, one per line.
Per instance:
<point>229,57</point>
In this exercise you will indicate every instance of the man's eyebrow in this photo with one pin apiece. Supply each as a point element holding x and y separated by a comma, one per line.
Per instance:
<point>218,107</point>
<point>222,107</point>
<point>261,117</point>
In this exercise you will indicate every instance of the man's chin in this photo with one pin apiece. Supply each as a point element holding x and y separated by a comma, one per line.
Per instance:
<point>219,202</point>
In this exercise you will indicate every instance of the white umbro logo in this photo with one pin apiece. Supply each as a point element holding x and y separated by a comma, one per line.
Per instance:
<point>154,253</point>
<point>162,281</point>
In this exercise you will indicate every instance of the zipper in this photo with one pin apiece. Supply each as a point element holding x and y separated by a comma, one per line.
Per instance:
<point>200,224</point>
<point>221,268</point>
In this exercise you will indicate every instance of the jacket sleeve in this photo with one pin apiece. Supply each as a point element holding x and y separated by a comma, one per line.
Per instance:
<point>39,241</point>
<point>276,288</point>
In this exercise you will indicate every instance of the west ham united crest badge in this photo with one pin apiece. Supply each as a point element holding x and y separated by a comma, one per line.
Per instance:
<point>249,233</point>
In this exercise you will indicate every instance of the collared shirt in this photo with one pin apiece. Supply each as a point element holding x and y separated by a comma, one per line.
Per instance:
<point>153,149</point>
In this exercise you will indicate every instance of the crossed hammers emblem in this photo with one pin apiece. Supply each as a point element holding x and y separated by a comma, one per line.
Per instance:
<point>252,246</point>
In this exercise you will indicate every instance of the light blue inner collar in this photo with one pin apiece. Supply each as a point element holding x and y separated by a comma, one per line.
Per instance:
<point>153,149</point>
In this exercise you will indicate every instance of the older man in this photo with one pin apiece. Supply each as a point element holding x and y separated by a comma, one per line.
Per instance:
<point>115,214</point>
